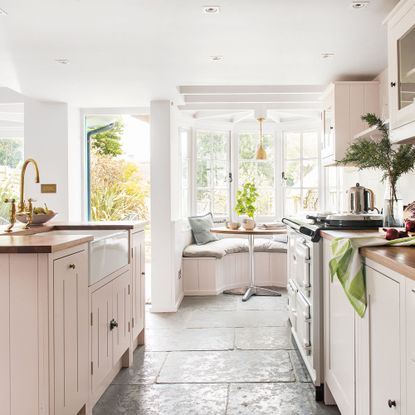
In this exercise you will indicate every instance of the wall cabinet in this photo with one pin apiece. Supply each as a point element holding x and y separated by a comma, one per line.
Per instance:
<point>401,57</point>
<point>343,105</point>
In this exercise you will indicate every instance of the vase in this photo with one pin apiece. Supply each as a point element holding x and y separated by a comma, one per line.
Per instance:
<point>392,207</point>
<point>248,224</point>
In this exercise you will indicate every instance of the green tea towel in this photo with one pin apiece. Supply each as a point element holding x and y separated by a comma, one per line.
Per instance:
<point>347,265</point>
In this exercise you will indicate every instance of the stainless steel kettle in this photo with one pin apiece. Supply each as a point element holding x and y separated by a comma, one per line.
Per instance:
<point>361,199</point>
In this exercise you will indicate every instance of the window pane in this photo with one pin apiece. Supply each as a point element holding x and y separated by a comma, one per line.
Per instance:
<point>219,144</point>
<point>11,156</point>
<point>292,145</point>
<point>203,145</point>
<point>219,202</point>
<point>310,199</point>
<point>203,201</point>
<point>292,174</point>
<point>202,173</point>
<point>247,171</point>
<point>247,146</point>
<point>265,175</point>
<point>310,145</point>
<point>265,202</point>
<point>310,173</point>
<point>220,173</point>
<point>293,201</point>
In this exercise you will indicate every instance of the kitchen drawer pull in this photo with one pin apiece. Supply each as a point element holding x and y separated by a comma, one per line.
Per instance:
<point>72,266</point>
<point>391,403</point>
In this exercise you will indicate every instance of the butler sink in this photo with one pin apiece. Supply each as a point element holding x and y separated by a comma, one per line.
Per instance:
<point>108,252</point>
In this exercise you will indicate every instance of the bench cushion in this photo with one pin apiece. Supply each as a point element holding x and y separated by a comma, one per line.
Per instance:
<point>225,246</point>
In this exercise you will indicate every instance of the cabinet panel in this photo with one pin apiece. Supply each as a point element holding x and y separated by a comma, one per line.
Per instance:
<point>385,345</point>
<point>101,340</point>
<point>410,347</point>
<point>121,313</point>
<point>71,332</point>
<point>138,283</point>
<point>5,340</point>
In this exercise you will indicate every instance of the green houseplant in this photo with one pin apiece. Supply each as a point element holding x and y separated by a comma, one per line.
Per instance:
<point>245,204</point>
<point>392,160</point>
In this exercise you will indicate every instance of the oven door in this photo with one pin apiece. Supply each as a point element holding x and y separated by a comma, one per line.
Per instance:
<point>292,307</point>
<point>303,323</point>
<point>302,269</point>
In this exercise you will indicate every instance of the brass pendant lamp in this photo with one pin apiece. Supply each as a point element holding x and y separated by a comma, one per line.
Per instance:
<point>261,154</point>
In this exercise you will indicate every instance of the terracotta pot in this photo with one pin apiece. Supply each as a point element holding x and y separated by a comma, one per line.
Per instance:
<point>248,224</point>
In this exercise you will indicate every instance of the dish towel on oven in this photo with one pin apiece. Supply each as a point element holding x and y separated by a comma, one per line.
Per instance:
<point>346,264</point>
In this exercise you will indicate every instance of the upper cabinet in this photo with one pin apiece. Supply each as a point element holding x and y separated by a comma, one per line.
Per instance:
<point>401,56</point>
<point>343,105</point>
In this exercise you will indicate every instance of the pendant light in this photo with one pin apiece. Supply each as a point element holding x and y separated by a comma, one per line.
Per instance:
<point>261,154</point>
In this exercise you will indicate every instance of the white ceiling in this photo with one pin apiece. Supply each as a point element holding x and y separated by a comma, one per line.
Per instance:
<point>127,52</point>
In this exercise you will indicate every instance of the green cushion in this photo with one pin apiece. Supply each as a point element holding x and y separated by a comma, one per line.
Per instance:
<point>201,226</point>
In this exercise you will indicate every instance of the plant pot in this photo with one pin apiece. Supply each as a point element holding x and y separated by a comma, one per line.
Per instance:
<point>248,224</point>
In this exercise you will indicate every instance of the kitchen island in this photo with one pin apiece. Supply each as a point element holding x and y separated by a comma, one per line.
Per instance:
<point>67,335</point>
<point>370,361</point>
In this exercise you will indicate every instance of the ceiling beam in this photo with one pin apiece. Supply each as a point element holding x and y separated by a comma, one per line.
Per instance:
<point>282,106</point>
<point>250,89</point>
<point>242,116</point>
<point>212,114</point>
<point>17,118</point>
<point>254,98</point>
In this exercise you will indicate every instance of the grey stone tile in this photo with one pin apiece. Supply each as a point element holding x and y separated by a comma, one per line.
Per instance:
<point>163,400</point>
<point>275,399</point>
<point>227,366</point>
<point>145,368</point>
<point>166,320</point>
<point>208,303</point>
<point>300,370</point>
<point>264,303</point>
<point>269,338</point>
<point>190,339</point>
<point>201,319</point>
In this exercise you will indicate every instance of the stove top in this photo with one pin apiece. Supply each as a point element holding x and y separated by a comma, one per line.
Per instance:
<point>311,226</point>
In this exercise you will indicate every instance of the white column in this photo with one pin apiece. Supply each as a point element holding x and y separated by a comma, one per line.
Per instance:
<point>163,133</point>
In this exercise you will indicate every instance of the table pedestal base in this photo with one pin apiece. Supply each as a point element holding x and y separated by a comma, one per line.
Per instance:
<point>253,290</point>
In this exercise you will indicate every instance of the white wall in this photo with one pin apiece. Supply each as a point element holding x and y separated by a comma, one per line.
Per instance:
<point>52,138</point>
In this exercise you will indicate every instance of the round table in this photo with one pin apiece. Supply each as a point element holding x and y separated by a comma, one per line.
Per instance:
<point>252,289</point>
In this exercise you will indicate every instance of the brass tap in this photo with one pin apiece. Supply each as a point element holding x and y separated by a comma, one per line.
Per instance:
<point>29,214</point>
<point>22,205</point>
<point>12,218</point>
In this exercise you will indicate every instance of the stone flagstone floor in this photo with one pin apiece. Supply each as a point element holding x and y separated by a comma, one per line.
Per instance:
<point>215,356</point>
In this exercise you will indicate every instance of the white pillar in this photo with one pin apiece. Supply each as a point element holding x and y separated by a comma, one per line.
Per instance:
<point>163,133</point>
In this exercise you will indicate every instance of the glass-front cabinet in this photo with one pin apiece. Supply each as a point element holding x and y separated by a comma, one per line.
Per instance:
<point>401,51</point>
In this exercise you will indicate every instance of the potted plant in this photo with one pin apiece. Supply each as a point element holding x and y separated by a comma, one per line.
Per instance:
<point>245,204</point>
<point>392,160</point>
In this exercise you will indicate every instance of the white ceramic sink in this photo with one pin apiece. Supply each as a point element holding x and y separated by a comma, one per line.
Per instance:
<point>108,252</point>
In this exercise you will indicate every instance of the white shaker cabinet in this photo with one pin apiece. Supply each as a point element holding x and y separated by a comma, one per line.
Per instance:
<point>138,282</point>
<point>343,105</point>
<point>410,346</point>
<point>401,67</point>
<point>70,311</point>
<point>384,343</point>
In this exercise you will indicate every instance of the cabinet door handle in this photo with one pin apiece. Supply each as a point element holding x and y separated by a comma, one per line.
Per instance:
<point>72,266</point>
<point>143,273</point>
<point>393,84</point>
<point>391,403</point>
<point>113,324</point>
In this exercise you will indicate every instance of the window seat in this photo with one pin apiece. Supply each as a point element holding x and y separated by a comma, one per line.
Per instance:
<point>223,264</point>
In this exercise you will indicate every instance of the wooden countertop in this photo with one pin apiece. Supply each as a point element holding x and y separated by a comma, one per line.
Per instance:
<point>400,259</point>
<point>25,244</point>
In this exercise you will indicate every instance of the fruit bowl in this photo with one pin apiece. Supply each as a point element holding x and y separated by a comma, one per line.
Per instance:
<point>38,218</point>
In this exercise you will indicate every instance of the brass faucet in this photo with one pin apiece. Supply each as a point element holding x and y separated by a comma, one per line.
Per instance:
<point>12,218</point>
<point>22,204</point>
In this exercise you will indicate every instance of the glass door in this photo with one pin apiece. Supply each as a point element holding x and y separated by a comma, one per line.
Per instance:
<point>406,68</point>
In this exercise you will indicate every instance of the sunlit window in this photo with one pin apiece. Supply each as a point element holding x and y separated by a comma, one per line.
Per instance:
<point>301,172</point>
<point>185,164</point>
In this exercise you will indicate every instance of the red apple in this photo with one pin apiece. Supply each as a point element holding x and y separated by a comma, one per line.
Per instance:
<point>410,226</point>
<point>391,234</point>
<point>403,234</point>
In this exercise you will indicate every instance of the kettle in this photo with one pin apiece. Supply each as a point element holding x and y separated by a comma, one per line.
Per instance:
<point>361,199</point>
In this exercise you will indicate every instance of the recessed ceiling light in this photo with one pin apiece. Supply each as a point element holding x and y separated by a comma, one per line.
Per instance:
<point>216,58</point>
<point>211,9</point>
<point>327,55</point>
<point>3,12</point>
<point>62,61</point>
<point>360,4</point>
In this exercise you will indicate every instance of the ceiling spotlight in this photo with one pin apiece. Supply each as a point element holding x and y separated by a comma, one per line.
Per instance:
<point>211,9</point>
<point>360,4</point>
<point>3,12</point>
<point>62,61</point>
<point>327,55</point>
<point>216,58</point>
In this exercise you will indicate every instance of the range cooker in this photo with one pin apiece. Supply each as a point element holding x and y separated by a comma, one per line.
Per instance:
<point>305,286</point>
